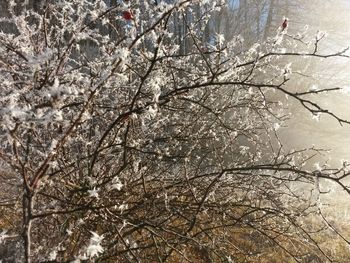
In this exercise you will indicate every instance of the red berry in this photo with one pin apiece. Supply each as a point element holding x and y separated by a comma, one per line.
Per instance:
<point>127,15</point>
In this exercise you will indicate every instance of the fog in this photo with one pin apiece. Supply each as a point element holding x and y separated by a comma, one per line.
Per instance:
<point>302,129</point>
<point>325,132</point>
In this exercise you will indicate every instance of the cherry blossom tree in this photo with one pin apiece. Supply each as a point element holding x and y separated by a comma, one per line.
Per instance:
<point>125,140</point>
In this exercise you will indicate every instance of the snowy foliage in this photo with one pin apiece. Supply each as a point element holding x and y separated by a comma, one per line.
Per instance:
<point>94,248</point>
<point>3,236</point>
<point>149,131</point>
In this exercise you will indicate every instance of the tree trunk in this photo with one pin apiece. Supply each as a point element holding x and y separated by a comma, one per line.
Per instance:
<point>268,25</point>
<point>27,224</point>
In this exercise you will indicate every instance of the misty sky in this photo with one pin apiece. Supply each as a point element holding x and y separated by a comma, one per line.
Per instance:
<point>331,17</point>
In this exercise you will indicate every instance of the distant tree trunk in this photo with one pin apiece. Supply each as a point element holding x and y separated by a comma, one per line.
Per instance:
<point>258,20</point>
<point>268,27</point>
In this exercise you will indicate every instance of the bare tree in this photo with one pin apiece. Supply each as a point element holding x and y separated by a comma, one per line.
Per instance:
<point>125,149</point>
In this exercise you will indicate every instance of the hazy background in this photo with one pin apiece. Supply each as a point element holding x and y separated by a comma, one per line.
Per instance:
<point>333,18</point>
<point>257,20</point>
<point>326,133</point>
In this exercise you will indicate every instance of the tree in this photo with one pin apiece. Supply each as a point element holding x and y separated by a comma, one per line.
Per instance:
<point>125,148</point>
